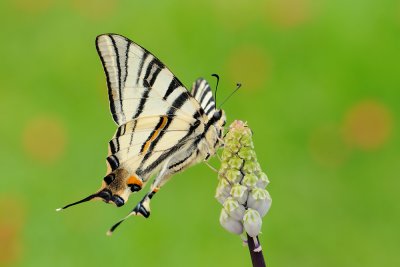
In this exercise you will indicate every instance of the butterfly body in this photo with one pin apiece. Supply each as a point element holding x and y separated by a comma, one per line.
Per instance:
<point>162,127</point>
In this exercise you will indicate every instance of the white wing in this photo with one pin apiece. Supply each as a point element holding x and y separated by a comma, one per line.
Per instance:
<point>144,143</point>
<point>201,91</point>
<point>139,84</point>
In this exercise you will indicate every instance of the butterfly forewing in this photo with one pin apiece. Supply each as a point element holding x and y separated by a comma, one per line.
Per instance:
<point>139,84</point>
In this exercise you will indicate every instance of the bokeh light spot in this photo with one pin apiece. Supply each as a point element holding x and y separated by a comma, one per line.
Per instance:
<point>250,66</point>
<point>95,9</point>
<point>327,146</point>
<point>44,138</point>
<point>288,13</point>
<point>11,223</point>
<point>33,7</point>
<point>368,125</point>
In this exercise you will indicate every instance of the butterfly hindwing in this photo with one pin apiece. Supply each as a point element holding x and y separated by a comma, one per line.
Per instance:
<point>137,137</point>
<point>201,91</point>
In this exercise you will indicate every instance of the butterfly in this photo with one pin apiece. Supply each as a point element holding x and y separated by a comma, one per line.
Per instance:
<point>162,127</point>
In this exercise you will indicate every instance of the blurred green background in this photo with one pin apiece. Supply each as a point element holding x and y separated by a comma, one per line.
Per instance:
<point>320,91</point>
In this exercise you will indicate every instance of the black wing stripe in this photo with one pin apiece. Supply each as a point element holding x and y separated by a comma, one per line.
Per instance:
<point>209,109</point>
<point>119,70</point>
<point>168,153</point>
<point>172,86</point>
<point>112,145</point>
<point>140,69</point>
<point>128,46</point>
<point>152,71</point>
<point>133,133</point>
<point>201,91</point>
<point>110,96</point>
<point>203,96</point>
<point>210,100</point>
<point>113,161</point>
<point>177,104</point>
<point>179,162</point>
<point>147,74</point>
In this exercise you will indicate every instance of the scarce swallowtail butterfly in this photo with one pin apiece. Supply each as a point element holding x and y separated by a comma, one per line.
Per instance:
<point>162,127</point>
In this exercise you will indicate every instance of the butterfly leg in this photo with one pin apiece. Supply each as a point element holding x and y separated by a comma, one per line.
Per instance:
<point>143,207</point>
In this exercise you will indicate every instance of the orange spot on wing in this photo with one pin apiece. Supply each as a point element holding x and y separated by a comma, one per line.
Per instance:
<point>134,180</point>
<point>155,134</point>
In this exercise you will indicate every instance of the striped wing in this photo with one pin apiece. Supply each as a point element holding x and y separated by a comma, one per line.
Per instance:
<point>156,114</point>
<point>139,84</point>
<point>201,91</point>
<point>144,143</point>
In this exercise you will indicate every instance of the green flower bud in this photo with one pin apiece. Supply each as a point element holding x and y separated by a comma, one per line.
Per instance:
<point>236,135</point>
<point>240,193</point>
<point>247,153</point>
<point>234,209</point>
<point>251,167</point>
<point>226,155</point>
<point>242,182</point>
<point>224,168</point>
<point>233,175</point>
<point>250,180</point>
<point>232,147</point>
<point>246,141</point>
<point>235,162</point>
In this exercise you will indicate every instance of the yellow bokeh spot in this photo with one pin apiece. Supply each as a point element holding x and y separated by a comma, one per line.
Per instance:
<point>327,146</point>
<point>368,125</point>
<point>288,13</point>
<point>250,66</point>
<point>44,138</point>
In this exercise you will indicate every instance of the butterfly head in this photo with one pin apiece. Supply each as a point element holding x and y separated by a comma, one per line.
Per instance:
<point>219,119</point>
<point>115,189</point>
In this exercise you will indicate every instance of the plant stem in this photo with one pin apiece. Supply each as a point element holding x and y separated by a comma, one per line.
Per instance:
<point>256,257</point>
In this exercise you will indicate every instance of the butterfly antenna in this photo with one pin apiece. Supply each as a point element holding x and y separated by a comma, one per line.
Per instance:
<point>216,87</point>
<point>238,85</point>
<point>79,202</point>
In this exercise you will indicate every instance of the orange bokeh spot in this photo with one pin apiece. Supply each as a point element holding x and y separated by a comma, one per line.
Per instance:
<point>95,9</point>
<point>327,146</point>
<point>250,66</point>
<point>44,138</point>
<point>368,125</point>
<point>30,6</point>
<point>11,223</point>
<point>288,13</point>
